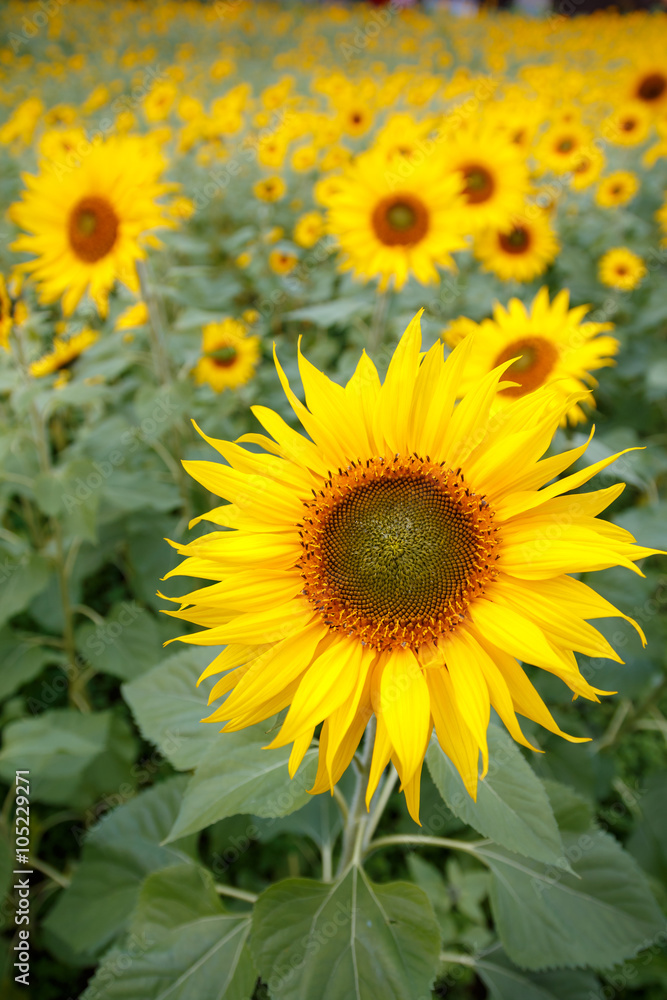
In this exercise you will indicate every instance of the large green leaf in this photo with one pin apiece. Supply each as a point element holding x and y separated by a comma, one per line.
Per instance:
<point>118,853</point>
<point>174,896</point>
<point>237,775</point>
<point>23,660</point>
<point>512,806</point>
<point>125,645</point>
<point>327,313</point>
<point>505,981</point>
<point>72,758</point>
<point>595,918</point>
<point>22,577</point>
<point>350,939</point>
<point>168,707</point>
<point>206,959</point>
<point>648,841</point>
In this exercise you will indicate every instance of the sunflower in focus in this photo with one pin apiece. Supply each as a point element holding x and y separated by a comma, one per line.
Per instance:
<point>622,269</point>
<point>616,189</point>
<point>493,174</point>
<point>229,355</point>
<point>390,226</point>
<point>397,562</point>
<point>521,252</point>
<point>85,229</point>
<point>548,344</point>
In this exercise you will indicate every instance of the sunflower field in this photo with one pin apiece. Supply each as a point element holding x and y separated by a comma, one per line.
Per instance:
<point>333,395</point>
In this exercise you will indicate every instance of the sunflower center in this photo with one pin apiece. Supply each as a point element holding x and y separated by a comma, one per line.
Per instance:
<point>536,358</point>
<point>400,220</point>
<point>516,241</point>
<point>629,124</point>
<point>565,146</point>
<point>224,357</point>
<point>93,229</point>
<point>394,551</point>
<point>652,87</point>
<point>478,184</point>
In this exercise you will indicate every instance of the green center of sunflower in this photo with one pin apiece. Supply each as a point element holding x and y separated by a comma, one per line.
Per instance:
<point>224,357</point>
<point>93,229</point>
<point>565,146</point>
<point>478,184</point>
<point>400,220</point>
<point>516,241</point>
<point>394,552</point>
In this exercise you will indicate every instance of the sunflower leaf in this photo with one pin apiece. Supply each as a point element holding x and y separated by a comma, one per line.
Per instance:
<point>512,806</point>
<point>350,940</point>
<point>546,917</point>
<point>505,981</point>
<point>239,775</point>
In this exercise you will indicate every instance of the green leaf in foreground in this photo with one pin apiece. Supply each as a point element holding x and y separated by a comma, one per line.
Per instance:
<point>117,855</point>
<point>512,807</point>
<point>237,775</point>
<point>351,939</point>
<point>505,982</point>
<point>168,707</point>
<point>546,917</point>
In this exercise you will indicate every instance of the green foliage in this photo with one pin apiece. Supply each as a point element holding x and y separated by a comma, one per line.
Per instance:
<point>351,938</point>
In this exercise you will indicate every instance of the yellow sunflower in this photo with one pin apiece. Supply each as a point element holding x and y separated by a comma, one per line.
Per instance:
<point>282,261</point>
<point>230,356</point>
<point>85,228</point>
<point>270,189</point>
<point>308,229</point>
<point>563,146</point>
<point>399,562</point>
<point>523,251</point>
<point>628,125</point>
<point>493,173</point>
<point>616,189</point>
<point>65,350</point>
<point>6,321</point>
<point>551,346</point>
<point>649,85</point>
<point>390,225</point>
<point>621,268</point>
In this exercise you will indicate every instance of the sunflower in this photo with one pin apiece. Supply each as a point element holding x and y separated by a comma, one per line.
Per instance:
<point>308,229</point>
<point>493,174</point>
<point>230,356</point>
<point>587,168</point>
<point>270,188</point>
<point>521,252</point>
<point>65,350</point>
<point>282,261</point>
<point>550,344</point>
<point>6,319</point>
<point>85,227</point>
<point>616,189</point>
<point>398,562</point>
<point>391,225</point>
<point>563,146</point>
<point>628,125</point>
<point>649,85</point>
<point>622,269</point>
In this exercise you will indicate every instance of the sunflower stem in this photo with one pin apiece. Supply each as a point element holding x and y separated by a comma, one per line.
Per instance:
<point>357,818</point>
<point>155,325</point>
<point>397,839</point>
<point>381,804</point>
<point>230,890</point>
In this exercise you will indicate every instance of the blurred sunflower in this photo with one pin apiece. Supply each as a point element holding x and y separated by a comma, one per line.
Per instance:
<point>562,147</point>
<point>493,174</point>
<point>85,229</point>
<point>390,226</point>
<point>649,85</point>
<point>270,188</point>
<point>308,229</point>
<point>521,252</point>
<point>628,125</point>
<point>550,345</point>
<point>230,356</point>
<point>621,268</point>
<point>616,189</point>
<point>6,321</point>
<point>282,261</point>
<point>65,350</point>
<point>398,562</point>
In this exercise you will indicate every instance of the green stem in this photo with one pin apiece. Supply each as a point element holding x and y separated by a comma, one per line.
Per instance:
<point>420,841</point>
<point>378,322</point>
<point>457,958</point>
<point>155,325</point>
<point>50,872</point>
<point>358,816</point>
<point>387,788</point>
<point>230,890</point>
